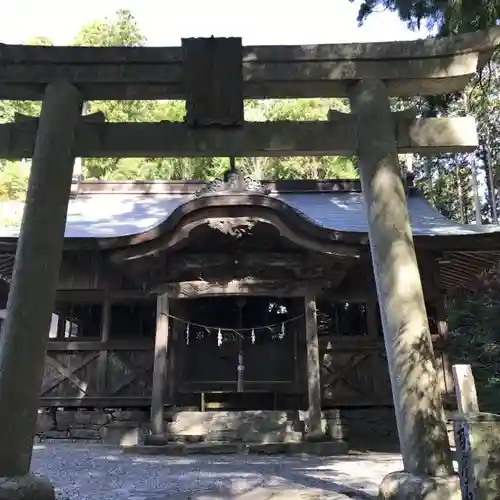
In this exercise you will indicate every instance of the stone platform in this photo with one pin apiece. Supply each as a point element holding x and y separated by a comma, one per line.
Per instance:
<point>242,432</point>
<point>363,428</point>
<point>236,426</point>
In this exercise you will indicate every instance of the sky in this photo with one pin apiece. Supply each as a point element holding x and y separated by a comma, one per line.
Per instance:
<point>164,23</point>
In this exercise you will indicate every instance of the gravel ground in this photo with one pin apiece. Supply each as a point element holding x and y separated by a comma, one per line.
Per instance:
<point>81,472</point>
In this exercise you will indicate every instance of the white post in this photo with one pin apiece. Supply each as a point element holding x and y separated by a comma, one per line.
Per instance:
<point>465,389</point>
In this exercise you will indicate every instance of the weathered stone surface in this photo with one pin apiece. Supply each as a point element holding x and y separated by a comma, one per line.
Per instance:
<point>424,136</point>
<point>478,454</point>
<point>406,486</point>
<point>28,487</point>
<point>33,290</point>
<point>155,439</point>
<point>324,448</point>
<point>120,435</point>
<point>369,424</point>
<point>420,67</point>
<point>360,426</point>
<point>267,448</point>
<point>364,426</point>
<point>65,419</point>
<point>244,426</point>
<point>175,449</point>
<point>90,417</point>
<point>128,415</point>
<point>410,357</point>
<point>54,434</point>
<point>186,439</point>
<point>111,427</point>
<point>333,426</point>
<point>89,434</point>
<point>127,424</point>
<point>45,422</point>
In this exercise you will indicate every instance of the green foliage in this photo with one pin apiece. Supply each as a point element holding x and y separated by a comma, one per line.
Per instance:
<point>122,30</point>
<point>13,180</point>
<point>445,16</point>
<point>475,337</point>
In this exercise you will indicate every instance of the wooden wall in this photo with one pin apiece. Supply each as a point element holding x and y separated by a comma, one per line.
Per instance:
<point>118,372</point>
<point>102,374</point>
<point>354,369</point>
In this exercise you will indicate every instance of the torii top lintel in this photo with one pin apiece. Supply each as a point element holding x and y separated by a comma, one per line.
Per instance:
<point>422,67</point>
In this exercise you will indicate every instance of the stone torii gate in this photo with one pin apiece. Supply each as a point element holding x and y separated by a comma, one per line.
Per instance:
<point>214,76</point>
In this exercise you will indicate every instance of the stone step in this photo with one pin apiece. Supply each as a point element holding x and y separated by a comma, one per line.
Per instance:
<point>235,426</point>
<point>240,425</point>
<point>254,436</point>
<point>322,449</point>
<point>231,437</point>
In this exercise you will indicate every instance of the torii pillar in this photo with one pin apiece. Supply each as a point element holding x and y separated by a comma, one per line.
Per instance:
<point>417,402</point>
<point>32,294</point>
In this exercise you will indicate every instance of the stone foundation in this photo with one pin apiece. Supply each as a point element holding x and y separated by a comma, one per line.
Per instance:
<point>364,427</point>
<point>371,426</point>
<point>115,427</point>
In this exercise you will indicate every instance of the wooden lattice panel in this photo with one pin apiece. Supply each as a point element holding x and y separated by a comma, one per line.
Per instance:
<point>354,377</point>
<point>129,373</point>
<point>6,266</point>
<point>70,375</point>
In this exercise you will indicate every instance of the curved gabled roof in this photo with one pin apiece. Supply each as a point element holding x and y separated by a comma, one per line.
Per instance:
<point>114,218</point>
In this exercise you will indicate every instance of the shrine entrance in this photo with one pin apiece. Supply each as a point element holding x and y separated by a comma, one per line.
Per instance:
<point>241,351</point>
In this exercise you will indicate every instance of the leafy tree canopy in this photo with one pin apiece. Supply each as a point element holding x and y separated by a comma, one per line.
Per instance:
<point>123,30</point>
<point>444,16</point>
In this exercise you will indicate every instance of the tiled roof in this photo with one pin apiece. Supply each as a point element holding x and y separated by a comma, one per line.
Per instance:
<point>114,215</point>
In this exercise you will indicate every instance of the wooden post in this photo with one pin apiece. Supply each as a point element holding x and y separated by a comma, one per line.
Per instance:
<point>171,362</point>
<point>160,367</point>
<point>240,370</point>
<point>23,340</point>
<point>103,355</point>
<point>412,367</point>
<point>465,389</point>
<point>313,369</point>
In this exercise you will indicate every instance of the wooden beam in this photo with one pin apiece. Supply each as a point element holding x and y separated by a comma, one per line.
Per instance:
<point>194,289</point>
<point>95,402</point>
<point>90,345</point>
<point>96,295</point>
<point>103,355</point>
<point>284,138</point>
<point>422,67</point>
<point>193,260</point>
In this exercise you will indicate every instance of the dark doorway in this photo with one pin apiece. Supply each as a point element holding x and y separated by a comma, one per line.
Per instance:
<point>262,330</point>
